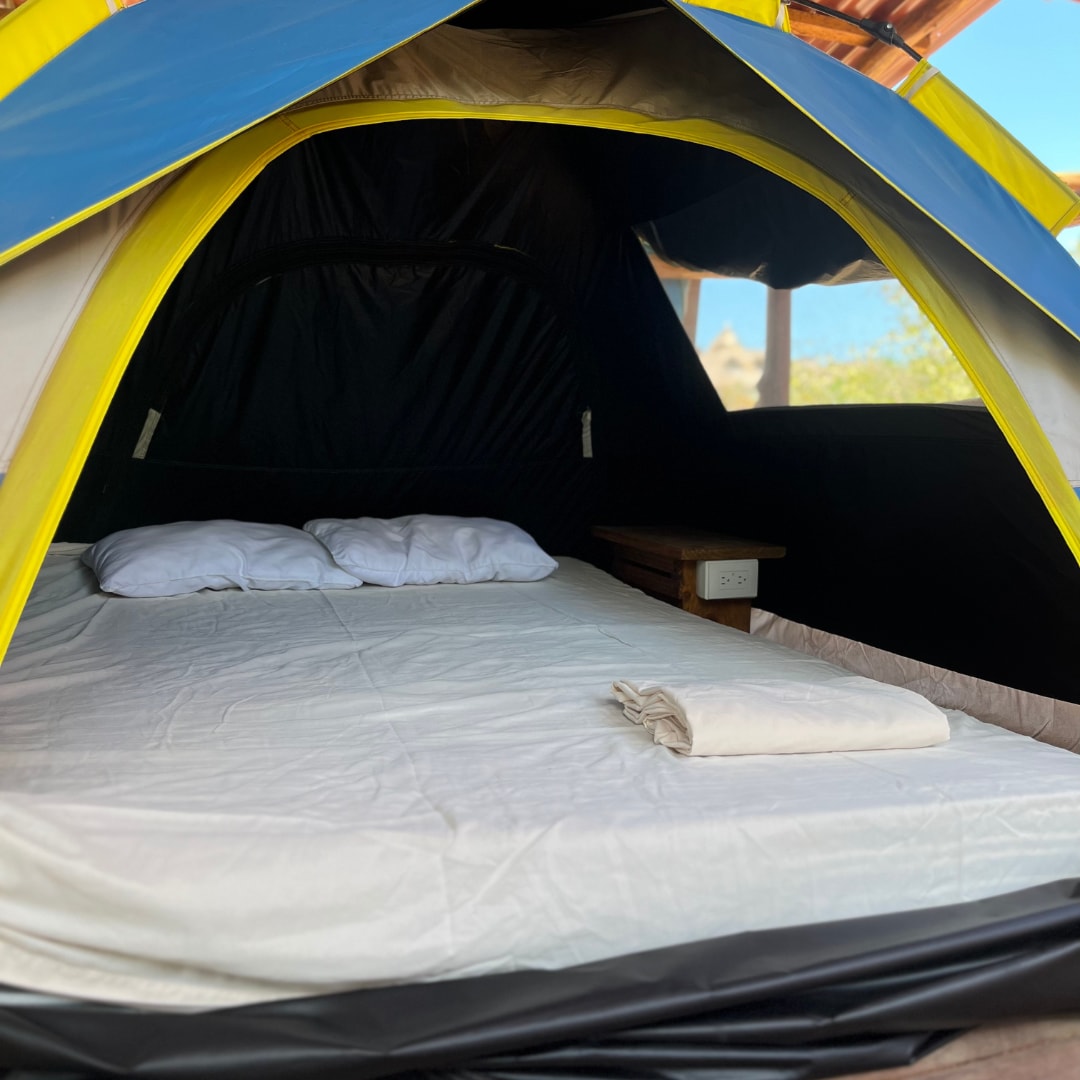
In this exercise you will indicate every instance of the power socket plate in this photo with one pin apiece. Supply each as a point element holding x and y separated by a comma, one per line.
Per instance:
<point>727,579</point>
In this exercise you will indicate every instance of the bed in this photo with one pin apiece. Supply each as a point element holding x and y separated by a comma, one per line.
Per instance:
<point>236,797</point>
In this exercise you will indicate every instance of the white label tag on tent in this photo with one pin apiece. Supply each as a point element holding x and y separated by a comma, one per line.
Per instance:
<point>146,435</point>
<point>586,433</point>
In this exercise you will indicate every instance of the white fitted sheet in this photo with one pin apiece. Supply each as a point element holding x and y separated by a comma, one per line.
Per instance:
<point>229,797</point>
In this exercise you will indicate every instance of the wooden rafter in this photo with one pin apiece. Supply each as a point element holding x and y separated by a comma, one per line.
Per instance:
<point>814,27</point>
<point>924,24</point>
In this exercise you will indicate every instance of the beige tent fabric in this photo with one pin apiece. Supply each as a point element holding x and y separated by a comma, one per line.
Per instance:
<point>41,296</point>
<point>1026,1050</point>
<point>1046,719</point>
<point>1042,360</point>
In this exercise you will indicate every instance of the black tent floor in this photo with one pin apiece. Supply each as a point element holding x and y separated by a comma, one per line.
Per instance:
<point>797,1003</point>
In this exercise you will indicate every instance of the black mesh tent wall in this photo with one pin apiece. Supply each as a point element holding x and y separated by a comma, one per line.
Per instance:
<point>401,316</point>
<point>420,317</point>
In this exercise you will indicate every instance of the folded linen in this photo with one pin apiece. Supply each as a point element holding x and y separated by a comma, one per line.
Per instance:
<point>782,716</point>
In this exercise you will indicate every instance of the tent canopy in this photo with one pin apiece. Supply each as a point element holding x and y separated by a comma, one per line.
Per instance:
<point>742,150</point>
<point>276,261</point>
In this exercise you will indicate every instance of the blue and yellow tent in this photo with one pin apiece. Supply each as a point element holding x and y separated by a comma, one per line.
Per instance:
<point>160,161</point>
<point>127,131</point>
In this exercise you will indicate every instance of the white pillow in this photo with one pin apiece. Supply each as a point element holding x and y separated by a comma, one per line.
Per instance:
<point>428,549</point>
<point>168,560</point>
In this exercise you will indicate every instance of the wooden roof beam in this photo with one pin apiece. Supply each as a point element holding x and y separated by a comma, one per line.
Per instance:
<point>925,25</point>
<point>817,27</point>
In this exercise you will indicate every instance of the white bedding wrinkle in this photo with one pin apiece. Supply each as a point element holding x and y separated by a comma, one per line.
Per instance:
<point>230,797</point>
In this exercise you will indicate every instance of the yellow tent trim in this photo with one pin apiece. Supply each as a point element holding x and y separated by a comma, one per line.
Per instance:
<point>767,12</point>
<point>74,401</point>
<point>983,139</point>
<point>38,31</point>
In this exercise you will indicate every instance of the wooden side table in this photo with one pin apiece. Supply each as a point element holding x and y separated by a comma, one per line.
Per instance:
<point>662,562</point>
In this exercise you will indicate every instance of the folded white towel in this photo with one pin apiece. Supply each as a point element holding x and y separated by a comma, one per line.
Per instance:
<point>782,716</point>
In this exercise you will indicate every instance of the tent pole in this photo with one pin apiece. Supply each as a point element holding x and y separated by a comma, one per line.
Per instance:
<point>775,385</point>
<point>691,302</point>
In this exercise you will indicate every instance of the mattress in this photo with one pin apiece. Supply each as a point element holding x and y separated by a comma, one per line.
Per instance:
<point>231,797</point>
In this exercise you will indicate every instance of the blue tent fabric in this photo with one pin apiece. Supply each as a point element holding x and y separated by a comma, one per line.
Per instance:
<point>913,155</point>
<point>174,78</point>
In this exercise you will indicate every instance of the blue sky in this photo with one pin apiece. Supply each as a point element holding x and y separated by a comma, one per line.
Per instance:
<point>1017,61</point>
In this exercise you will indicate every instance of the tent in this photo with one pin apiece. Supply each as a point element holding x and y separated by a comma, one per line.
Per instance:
<point>199,198</point>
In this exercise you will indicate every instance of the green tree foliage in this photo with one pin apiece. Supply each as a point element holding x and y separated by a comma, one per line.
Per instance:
<point>910,363</point>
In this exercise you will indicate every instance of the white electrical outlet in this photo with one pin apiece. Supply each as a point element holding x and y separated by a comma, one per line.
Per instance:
<point>725,579</point>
